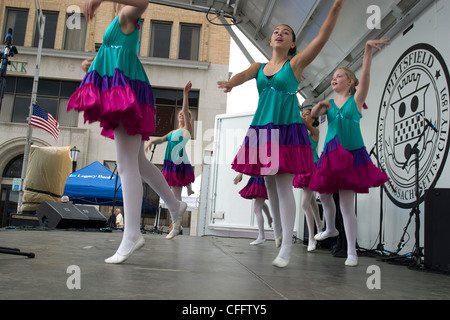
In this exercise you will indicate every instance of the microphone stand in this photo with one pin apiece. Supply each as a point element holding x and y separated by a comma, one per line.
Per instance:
<point>380,246</point>
<point>4,55</point>
<point>416,254</point>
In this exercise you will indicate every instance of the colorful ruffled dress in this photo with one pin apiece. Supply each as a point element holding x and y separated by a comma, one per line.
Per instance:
<point>255,188</point>
<point>277,141</point>
<point>344,163</point>
<point>302,180</point>
<point>116,88</point>
<point>176,169</point>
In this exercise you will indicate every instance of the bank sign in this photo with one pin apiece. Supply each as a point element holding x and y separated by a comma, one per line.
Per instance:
<point>414,111</point>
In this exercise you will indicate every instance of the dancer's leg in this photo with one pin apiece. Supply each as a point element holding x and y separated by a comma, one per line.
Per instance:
<point>316,213</point>
<point>154,178</point>
<point>272,193</point>
<point>287,212</point>
<point>307,195</point>
<point>127,149</point>
<point>266,211</point>
<point>177,192</point>
<point>347,205</point>
<point>258,206</point>
<point>158,183</point>
<point>329,212</point>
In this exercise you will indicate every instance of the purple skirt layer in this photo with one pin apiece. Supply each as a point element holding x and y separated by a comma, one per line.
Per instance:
<point>340,169</point>
<point>178,175</point>
<point>255,188</point>
<point>116,100</point>
<point>270,150</point>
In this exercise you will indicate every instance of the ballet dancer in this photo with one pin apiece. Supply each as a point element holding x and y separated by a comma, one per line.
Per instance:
<point>277,144</point>
<point>117,93</point>
<point>344,166</point>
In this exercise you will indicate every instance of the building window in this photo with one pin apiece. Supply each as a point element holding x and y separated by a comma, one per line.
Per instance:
<point>14,168</point>
<point>75,32</point>
<point>51,22</point>
<point>189,45</point>
<point>16,19</point>
<point>52,96</point>
<point>160,39</point>
<point>168,105</point>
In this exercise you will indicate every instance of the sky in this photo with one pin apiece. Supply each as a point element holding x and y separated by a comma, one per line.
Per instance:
<point>243,98</point>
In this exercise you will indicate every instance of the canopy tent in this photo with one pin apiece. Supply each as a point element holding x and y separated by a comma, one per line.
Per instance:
<point>95,185</point>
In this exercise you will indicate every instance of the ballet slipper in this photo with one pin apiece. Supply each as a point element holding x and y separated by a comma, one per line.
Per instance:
<point>176,227</point>
<point>320,236</point>
<point>118,258</point>
<point>256,242</point>
<point>352,261</point>
<point>278,241</point>
<point>280,262</point>
<point>312,246</point>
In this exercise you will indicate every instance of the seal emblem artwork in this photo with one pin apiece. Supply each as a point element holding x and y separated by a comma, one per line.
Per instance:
<point>417,90</point>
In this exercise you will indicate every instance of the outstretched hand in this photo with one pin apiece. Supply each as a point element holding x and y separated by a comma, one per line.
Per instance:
<point>377,43</point>
<point>187,87</point>
<point>89,8</point>
<point>324,105</point>
<point>226,85</point>
<point>148,145</point>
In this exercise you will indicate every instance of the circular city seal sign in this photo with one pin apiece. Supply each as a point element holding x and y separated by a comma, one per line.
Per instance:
<point>413,124</point>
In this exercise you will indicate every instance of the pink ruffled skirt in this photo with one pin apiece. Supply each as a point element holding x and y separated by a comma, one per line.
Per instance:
<point>340,169</point>
<point>255,188</point>
<point>114,100</point>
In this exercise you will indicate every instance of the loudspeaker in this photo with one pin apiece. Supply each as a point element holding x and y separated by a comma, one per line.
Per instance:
<point>96,218</point>
<point>437,226</point>
<point>57,215</point>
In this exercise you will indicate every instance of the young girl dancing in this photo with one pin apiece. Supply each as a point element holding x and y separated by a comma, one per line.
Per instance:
<point>309,204</point>
<point>177,170</point>
<point>116,92</point>
<point>344,166</point>
<point>277,144</point>
<point>256,189</point>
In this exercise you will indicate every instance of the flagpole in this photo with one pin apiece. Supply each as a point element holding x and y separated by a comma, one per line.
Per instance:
<point>40,20</point>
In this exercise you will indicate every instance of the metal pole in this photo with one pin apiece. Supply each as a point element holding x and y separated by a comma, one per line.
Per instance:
<point>41,28</point>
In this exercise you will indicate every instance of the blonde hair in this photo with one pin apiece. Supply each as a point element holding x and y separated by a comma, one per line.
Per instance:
<point>352,76</point>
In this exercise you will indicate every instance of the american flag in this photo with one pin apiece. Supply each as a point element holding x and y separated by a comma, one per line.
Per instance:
<point>44,120</point>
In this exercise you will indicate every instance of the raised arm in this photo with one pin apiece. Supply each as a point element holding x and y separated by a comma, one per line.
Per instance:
<point>185,108</point>
<point>129,14</point>
<point>364,81</point>
<point>150,143</point>
<point>240,78</point>
<point>305,57</point>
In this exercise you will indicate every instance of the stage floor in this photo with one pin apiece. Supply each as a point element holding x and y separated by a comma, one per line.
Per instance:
<point>196,268</point>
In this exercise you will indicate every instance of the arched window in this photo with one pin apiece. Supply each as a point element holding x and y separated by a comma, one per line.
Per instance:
<point>14,168</point>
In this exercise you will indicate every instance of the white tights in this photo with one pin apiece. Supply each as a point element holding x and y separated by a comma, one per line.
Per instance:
<point>133,166</point>
<point>282,207</point>
<point>312,214</point>
<point>260,206</point>
<point>347,205</point>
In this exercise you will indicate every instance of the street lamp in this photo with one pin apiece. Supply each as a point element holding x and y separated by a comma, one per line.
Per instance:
<point>74,155</point>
